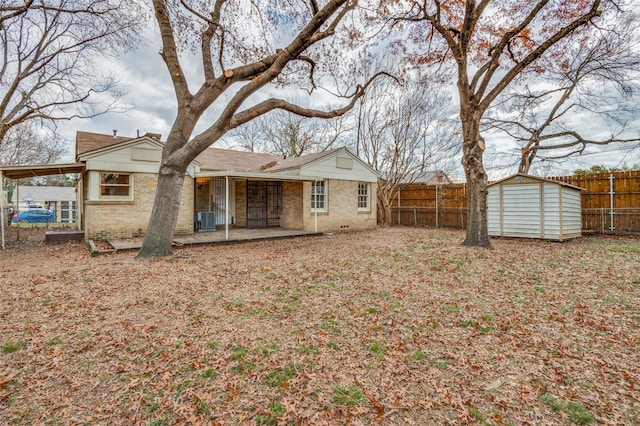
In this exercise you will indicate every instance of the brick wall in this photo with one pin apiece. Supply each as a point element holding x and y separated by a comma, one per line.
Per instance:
<point>342,212</point>
<point>292,200</point>
<point>241,203</point>
<point>203,201</point>
<point>126,219</point>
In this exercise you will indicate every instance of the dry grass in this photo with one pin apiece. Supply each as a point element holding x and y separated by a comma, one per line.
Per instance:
<point>395,326</point>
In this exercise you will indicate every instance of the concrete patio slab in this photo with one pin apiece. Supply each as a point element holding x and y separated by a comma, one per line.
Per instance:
<point>237,235</point>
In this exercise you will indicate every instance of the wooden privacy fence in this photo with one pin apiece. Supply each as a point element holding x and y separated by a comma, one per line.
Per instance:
<point>431,205</point>
<point>610,202</point>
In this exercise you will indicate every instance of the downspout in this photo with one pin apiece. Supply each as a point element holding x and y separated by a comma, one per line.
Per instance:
<point>226,207</point>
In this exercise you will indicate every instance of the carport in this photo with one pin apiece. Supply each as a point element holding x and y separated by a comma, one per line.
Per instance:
<point>23,172</point>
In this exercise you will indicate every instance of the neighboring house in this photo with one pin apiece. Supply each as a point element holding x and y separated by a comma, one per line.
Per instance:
<point>437,177</point>
<point>60,199</point>
<point>326,191</point>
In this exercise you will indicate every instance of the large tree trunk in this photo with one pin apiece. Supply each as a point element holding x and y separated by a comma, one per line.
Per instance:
<point>472,151</point>
<point>164,216</point>
<point>384,209</point>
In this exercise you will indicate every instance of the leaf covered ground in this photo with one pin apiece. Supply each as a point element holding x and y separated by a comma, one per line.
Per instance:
<point>393,326</point>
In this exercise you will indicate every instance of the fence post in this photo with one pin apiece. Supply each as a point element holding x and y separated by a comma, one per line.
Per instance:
<point>415,216</point>
<point>611,192</point>
<point>602,218</point>
<point>461,221</point>
<point>437,205</point>
<point>398,207</point>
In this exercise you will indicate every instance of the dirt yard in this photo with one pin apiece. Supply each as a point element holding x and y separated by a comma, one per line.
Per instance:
<point>394,326</point>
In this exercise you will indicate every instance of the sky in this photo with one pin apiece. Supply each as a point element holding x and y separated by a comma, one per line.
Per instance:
<point>150,106</point>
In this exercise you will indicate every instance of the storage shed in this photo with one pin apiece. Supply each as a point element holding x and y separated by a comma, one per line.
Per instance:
<point>533,207</point>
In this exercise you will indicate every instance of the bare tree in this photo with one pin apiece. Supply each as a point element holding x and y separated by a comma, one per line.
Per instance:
<point>245,47</point>
<point>50,49</point>
<point>492,44</point>
<point>27,144</point>
<point>598,82</point>
<point>405,132</point>
<point>282,133</point>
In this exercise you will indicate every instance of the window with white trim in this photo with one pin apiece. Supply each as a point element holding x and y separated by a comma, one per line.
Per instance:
<point>67,211</point>
<point>363,196</point>
<point>116,185</point>
<point>319,196</point>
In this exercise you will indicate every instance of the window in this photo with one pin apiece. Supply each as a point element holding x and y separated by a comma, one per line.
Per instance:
<point>67,211</point>
<point>318,197</point>
<point>115,185</point>
<point>363,196</point>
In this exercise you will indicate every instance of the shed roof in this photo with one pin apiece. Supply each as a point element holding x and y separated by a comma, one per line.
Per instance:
<point>522,175</point>
<point>46,193</point>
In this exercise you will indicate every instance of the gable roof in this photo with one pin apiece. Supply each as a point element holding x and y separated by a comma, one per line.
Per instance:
<point>212,159</point>
<point>303,160</point>
<point>215,159</point>
<point>88,141</point>
<point>119,145</point>
<point>541,179</point>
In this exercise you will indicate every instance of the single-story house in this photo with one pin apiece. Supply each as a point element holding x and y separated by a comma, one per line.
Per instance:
<point>330,190</point>
<point>60,199</point>
<point>533,207</point>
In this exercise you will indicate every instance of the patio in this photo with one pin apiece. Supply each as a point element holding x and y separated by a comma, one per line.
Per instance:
<point>237,235</point>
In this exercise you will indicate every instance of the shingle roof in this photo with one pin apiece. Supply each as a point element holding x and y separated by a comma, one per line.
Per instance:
<point>87,141</point>
<point>242,161</point>
<point>295,162</point>
<point>226,159</point>
<point>214,159</point>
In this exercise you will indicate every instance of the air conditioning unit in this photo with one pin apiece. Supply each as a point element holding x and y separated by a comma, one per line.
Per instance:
<point>206,221</point>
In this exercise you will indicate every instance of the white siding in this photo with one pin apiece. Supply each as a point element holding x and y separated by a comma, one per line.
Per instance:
<point>494,208</point>
<point>327,168</point>
<point>121,160</point>
<point>521,210</point>
<point>552,215</point>
<point>571,213</point>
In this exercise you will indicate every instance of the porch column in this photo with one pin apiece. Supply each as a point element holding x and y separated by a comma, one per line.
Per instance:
<point>315,203</point>
<point>226,207</point>
<point>16,208</point>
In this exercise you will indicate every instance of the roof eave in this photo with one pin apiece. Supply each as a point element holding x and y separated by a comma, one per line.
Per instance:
<point>256,175</point>
<point>21,172</point>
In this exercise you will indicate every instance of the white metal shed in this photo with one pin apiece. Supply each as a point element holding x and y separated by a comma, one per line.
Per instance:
<point>532,207</point>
